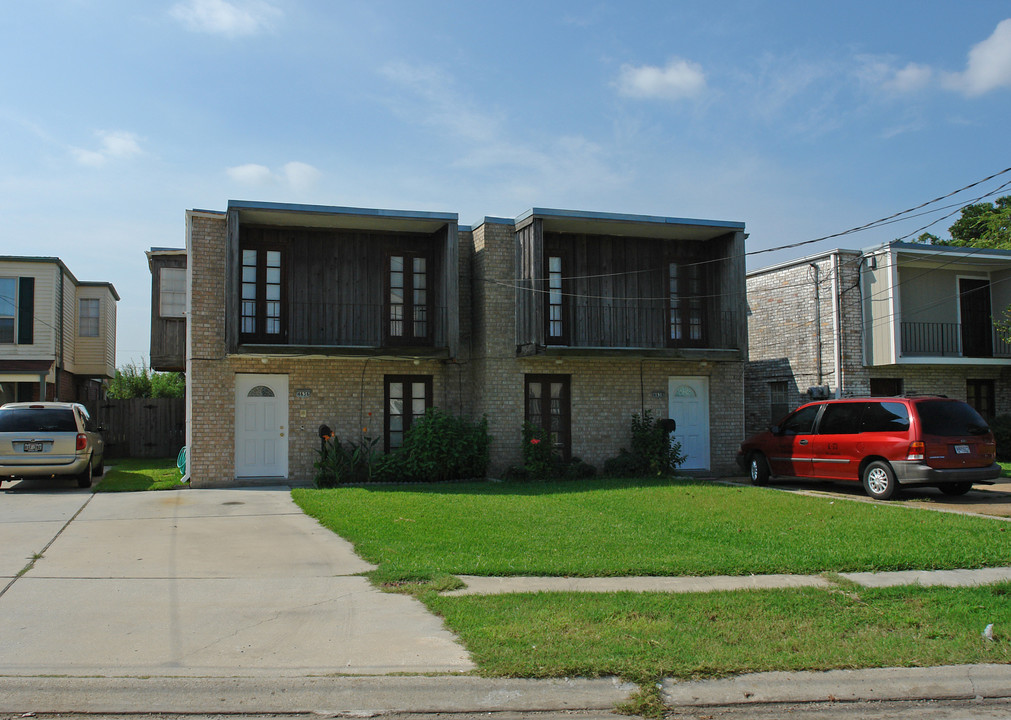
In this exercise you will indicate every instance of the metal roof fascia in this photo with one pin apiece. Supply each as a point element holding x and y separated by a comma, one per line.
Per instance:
<point>341,210</point>
<point>627,217</point>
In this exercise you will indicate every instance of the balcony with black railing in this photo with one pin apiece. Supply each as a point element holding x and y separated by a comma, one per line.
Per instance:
<point>923,339</point>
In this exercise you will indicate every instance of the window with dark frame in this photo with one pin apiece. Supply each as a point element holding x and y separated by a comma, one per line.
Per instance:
<point>408,298</point>
<point>556,302</point>
<point>547,405</point>
<point>8,309</point>
<point>981,396</point>
<point>262,295</point>
<point>407,397</point>
<point>779,399</point>
<point>886,387</point>
<point>685,314</point>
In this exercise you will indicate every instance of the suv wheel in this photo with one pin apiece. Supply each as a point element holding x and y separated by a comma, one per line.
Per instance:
<point>758,469</point>
<point>84,479</point>
<point>879,480</point>
<point>957,488</point>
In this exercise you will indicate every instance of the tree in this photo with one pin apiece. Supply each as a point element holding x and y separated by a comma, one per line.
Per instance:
<point>983,225</point>
<point>131,381</point>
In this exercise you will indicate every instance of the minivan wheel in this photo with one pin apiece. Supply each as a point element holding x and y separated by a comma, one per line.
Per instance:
<point>879,480</point>
<point>758,468</point>
<point>957,488</point>
<point>84,479</point>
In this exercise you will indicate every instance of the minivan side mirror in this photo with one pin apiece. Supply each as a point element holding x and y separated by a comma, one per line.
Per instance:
<point>775,430</point>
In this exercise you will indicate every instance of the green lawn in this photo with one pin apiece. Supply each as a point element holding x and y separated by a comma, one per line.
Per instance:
<point>614,528</point>
<point>131,475</point>
<point>1007,469</point>
<point>646,636</point>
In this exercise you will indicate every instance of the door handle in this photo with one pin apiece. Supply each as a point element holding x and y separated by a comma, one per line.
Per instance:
<point>803,442</point>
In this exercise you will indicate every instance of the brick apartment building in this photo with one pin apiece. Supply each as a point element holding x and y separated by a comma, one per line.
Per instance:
<point>901,318</point>
<point>361,319</point>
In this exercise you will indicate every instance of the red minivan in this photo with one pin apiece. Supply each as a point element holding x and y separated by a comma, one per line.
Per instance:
<point>882,442</point>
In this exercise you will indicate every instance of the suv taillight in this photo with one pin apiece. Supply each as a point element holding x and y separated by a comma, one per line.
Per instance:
<point>82,441</point>
<point>916,451</point>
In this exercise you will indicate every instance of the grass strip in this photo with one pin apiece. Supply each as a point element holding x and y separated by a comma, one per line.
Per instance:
<point>132,475</point>
<point>605,527</point>
<point>646,636</point>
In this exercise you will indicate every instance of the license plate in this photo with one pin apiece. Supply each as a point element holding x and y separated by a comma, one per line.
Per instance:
<point>32,447</point>
<point>961,449</point>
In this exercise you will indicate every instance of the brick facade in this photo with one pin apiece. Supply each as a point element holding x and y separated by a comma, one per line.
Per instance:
<point>785,303</point>
<point>485,379</point>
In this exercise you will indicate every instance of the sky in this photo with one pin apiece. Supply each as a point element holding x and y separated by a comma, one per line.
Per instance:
<point>800,119</point>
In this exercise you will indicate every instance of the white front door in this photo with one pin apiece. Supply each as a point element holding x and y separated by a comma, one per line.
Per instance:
<point>261,426</point>
<point>688,406</point>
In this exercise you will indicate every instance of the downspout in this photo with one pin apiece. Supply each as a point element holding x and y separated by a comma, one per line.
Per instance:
<point>817,320</point>
<point>836,324</point>
<point>60,321</point>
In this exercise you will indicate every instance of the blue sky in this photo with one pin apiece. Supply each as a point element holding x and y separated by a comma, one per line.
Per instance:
<point>800,119</point>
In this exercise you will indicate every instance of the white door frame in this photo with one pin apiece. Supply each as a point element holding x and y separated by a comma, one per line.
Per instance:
<point>698,445</point>
<point>252,461</point>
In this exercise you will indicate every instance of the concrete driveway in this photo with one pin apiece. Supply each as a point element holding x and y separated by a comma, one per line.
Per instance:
<point>198,583</point>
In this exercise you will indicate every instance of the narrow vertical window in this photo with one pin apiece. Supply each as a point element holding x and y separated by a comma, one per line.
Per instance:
<point>8,309</point>
<point>686,319</point>
<point>408,299</point>
<point>407,399</point>
<point>779,400</point>
<point>555,309</point>
<point>272,314</point>
<point>87,325</point>
<point>172,292</point>
<point>248,292</point>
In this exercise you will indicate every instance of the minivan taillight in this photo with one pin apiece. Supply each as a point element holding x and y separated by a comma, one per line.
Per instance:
<point>916,451</point>
<point>82,441</point>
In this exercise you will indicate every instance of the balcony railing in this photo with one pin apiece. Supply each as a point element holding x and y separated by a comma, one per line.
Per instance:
<point>364,325</point>
<point>946,340</point>
<point>627,325</point>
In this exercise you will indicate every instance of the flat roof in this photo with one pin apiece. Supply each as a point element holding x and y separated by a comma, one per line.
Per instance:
<point>333,216</point>
<point>580,221</point>
<point>63,266</point>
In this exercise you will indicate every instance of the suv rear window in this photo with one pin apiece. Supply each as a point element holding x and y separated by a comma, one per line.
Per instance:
<point>37,420</point>
<point>949,418</point>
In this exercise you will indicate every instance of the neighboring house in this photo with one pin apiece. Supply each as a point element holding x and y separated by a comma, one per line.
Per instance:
<point>57,334</point>
<point>901,318</point>
<point>168,308</point>
<point>361,319</point>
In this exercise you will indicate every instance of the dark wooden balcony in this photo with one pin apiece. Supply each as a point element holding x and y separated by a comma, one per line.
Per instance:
<point>921,339</point>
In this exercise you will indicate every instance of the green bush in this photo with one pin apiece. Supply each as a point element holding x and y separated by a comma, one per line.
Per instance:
<point>1001,427</point>
<point>652,452</point>
<point>540,460</point>
<point>338,465</point>
<point>441,446</point>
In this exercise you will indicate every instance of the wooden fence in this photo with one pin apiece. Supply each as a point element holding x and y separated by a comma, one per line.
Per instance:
<point>141,427</point>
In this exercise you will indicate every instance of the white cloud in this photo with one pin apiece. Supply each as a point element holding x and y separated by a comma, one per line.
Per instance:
<point>679,80</point>
<point>909,79</point>
<point>231,18</point>
<point>296,175</point>
<point>115,145</point>
<point>989,65</point>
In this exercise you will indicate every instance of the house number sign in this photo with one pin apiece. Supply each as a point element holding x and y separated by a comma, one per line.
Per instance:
<point>303,393</point>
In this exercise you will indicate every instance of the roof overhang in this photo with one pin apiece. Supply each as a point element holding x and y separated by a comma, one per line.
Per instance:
<point>916,255</point>
<point>646,226</point>
<point>24,370</point>
<point>333,217</point>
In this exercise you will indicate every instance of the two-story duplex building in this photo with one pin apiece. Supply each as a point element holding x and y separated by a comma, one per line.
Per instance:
<point>900,318</point>
<point>57,334</point>
<point>361,319</point>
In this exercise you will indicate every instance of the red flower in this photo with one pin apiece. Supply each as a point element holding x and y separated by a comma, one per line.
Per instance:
<point>535,441</point>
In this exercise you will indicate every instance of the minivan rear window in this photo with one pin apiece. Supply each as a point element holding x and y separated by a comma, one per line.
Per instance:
<point>37,420</point>
<point>949,418</point>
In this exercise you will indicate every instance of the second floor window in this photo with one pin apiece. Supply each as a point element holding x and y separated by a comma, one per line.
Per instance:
<point>407,307</point>
<point>172,300</point>
<point>556,301</point>
<point>8,309</point>
<point>262,295</point>
<point>88,322</point>
<point>685,309</point>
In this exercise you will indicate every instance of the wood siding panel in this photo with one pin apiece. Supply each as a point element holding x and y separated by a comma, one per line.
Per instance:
<point>44,332</point>
<point>168,334</point>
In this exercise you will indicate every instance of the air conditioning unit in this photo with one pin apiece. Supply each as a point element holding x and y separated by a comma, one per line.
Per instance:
<point>818,392</point>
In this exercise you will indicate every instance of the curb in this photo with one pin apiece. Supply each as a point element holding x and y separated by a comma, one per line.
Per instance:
<point>951,682</point>
<point>344,695</point>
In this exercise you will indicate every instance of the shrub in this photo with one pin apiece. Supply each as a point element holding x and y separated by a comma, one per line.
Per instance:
<point>539,457</point>
<point>441,446</point>
<point>652,452</point>
<point>338,464</point>
<point>1001,427</point>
